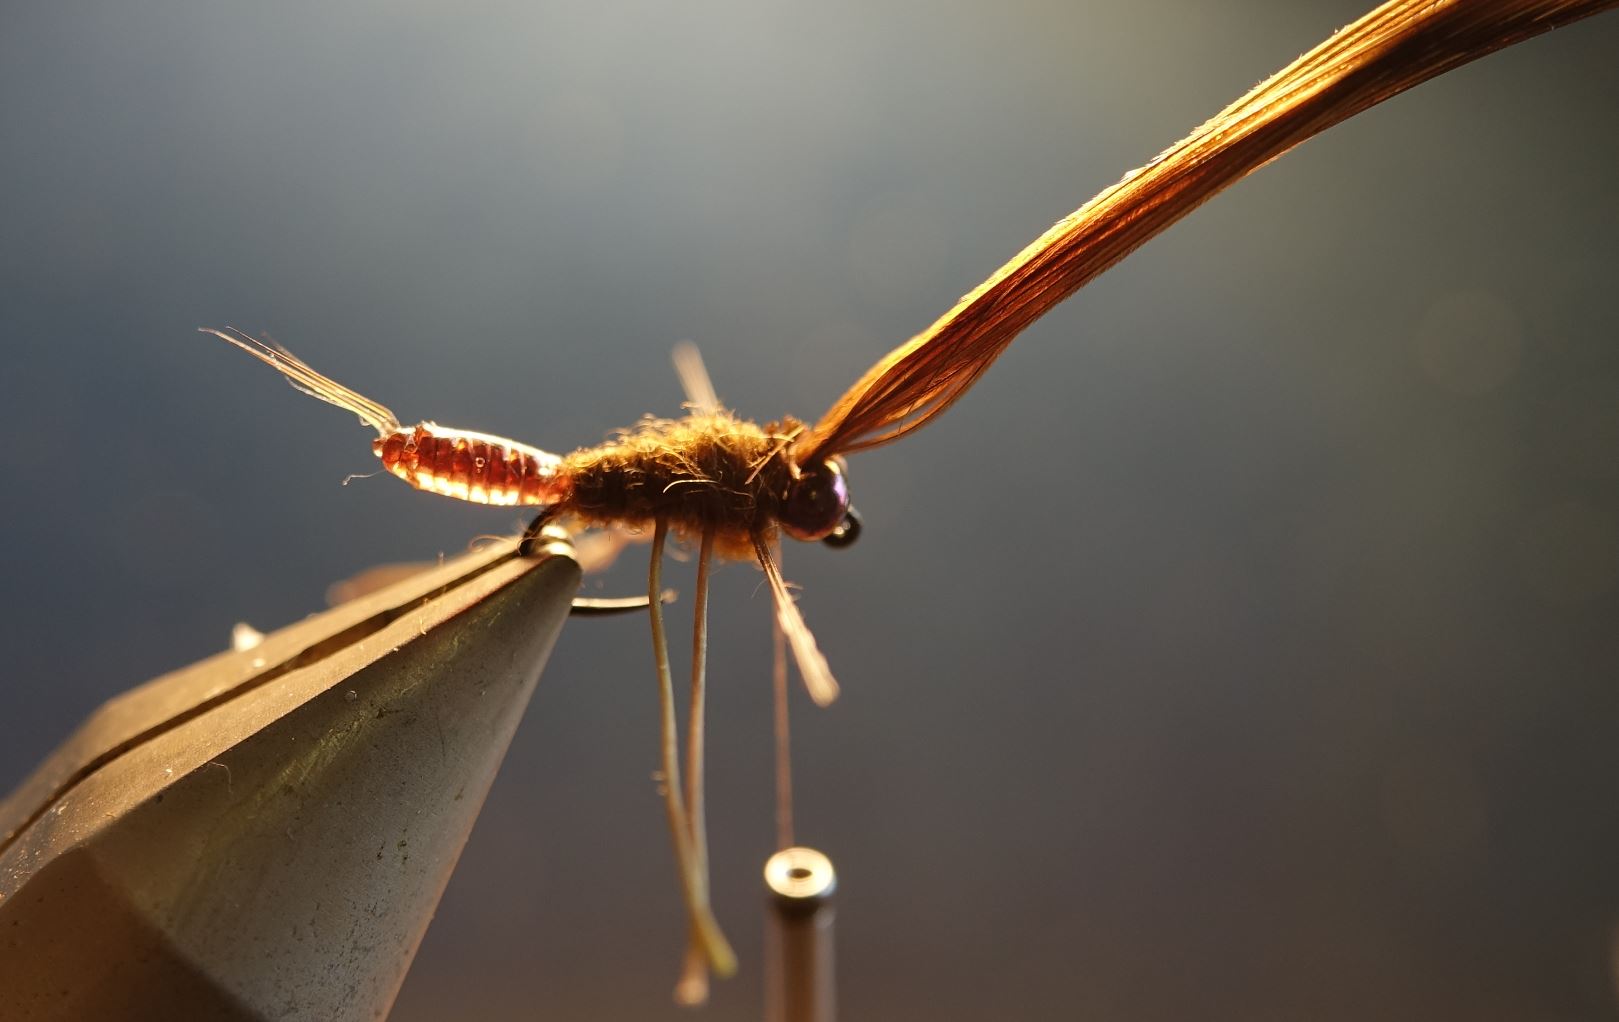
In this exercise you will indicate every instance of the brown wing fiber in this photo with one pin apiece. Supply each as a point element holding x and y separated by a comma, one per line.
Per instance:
<point>1395,47</point>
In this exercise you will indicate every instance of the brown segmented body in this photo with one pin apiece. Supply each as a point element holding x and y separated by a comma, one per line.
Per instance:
<point>476,467</point>
<point>703,471</point>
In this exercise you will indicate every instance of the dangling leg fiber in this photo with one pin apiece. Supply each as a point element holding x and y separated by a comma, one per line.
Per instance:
<point>704,929</point>
<point>693,985</point>
<point>784,754</point>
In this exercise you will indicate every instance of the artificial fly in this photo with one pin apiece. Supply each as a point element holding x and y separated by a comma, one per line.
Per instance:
<point>733,487</point>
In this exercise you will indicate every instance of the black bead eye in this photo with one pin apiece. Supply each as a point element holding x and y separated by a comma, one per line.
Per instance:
<point>817,504</point>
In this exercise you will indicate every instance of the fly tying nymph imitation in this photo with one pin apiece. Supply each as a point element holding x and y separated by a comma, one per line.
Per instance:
<point>732,487</point>
<point>727,485</point>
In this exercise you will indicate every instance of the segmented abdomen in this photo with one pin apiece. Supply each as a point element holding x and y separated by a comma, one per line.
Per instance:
<point>472,466</point>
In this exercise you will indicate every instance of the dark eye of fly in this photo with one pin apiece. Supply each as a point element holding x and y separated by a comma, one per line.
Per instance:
<point>817,504</point>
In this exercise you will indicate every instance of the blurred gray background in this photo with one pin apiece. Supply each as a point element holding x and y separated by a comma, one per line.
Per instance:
<point>1243,646</point>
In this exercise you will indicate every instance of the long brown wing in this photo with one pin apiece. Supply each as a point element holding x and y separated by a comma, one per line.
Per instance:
<point>1395,47</point>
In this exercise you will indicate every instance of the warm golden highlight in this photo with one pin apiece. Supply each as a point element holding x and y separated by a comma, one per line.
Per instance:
<point>470,466</point>
<point>733,487</point>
